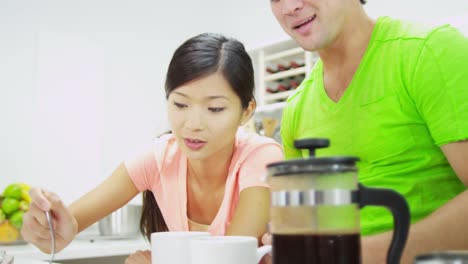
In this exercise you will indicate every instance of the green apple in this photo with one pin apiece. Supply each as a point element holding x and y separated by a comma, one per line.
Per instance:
<point>9,205</point>
<point>16,219</point>
<point>13,191</point>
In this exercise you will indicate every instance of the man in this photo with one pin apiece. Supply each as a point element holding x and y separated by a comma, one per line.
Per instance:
<point>395,95</point>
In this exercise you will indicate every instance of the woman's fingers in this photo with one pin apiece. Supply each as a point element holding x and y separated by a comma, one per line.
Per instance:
<point>266,239</point>
<point>32,227</point>
<point>36,214</point>
<point>139,257</point>
<point>39,199</point>
<point>36,227</point>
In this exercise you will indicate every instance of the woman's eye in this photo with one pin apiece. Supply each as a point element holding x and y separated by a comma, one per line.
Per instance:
<point>216,109</point>
<point>179,105</point>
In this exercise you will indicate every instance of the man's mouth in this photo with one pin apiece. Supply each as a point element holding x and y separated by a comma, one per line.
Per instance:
<point>305,22</point>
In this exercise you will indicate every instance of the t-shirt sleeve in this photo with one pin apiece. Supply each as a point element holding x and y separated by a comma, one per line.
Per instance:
<point>439,86</point>
<point>253,171</point>
<point>142,169</point>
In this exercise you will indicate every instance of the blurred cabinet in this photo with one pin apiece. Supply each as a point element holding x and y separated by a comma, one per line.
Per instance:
<point>279,69</point>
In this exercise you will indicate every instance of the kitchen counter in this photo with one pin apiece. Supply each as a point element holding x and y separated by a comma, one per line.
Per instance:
<point>82,248</point>
<point>30,261</point>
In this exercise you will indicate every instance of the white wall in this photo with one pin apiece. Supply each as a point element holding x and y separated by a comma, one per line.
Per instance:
<point>417,10</point>
<point>82,81</point>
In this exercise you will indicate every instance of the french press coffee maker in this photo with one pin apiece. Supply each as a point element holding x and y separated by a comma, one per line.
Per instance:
<point>315,206</point>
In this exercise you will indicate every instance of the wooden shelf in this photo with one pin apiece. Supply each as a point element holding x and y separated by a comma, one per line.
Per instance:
<point>278,96</point>
<point>270,107</point>
<point>272,57</point>
<point>283,54</point>
<point>284,74</point>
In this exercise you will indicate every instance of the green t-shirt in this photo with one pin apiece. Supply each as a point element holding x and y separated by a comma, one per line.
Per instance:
<point>408,97</point>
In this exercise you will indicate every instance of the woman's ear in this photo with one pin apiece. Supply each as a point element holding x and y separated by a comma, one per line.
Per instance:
<point>248,112</point>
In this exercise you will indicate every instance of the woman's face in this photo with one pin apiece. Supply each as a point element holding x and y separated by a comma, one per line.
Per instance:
<point>204,116</point>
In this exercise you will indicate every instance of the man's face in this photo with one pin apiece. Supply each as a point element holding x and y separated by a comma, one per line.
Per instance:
<point>314,24</point>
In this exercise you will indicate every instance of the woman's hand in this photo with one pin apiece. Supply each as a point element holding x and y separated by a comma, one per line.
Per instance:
<point>35,227</point>
<point>139,257</point>
<point>266,259</point>
<point>266,240</point>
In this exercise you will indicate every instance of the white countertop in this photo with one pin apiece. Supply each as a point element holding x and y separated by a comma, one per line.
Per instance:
<point>29,261</point>
<point>81,248</point>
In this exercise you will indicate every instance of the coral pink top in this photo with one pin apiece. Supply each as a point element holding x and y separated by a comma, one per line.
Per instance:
<point>163,170</point>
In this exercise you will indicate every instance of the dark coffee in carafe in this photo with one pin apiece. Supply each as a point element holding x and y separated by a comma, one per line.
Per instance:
<point>316,249</point>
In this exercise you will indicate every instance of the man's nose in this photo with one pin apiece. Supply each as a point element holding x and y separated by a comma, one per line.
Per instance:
<point>290,7</point>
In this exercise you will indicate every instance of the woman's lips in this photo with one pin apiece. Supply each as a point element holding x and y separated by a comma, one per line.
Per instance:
<point>194,144</point>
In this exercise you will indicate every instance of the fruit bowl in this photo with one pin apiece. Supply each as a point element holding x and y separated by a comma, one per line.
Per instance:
<point>14,202</point>
<point>10,235</point>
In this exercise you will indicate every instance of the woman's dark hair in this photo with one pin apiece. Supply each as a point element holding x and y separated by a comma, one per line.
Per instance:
<point>151,217</point>
<point>363,1</point>
<point>209,53</point>
<point>196,58</point>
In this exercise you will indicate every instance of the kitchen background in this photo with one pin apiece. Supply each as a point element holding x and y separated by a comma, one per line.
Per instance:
<point>81,82</point>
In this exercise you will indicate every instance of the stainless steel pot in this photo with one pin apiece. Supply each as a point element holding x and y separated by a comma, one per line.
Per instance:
<point>443,257</point>
<point>125,222</point>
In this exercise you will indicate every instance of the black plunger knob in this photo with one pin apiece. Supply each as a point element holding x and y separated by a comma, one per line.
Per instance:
<point>311,144</point>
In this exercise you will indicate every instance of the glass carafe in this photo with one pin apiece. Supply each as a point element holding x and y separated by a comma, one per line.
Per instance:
<point>315,206</point>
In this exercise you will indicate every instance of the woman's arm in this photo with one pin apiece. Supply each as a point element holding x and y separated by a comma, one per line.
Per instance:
<point>114,192</point>
<point>445,229</point>
<point>252,213</point>
<point>253,209</point>
<point>117,190</point>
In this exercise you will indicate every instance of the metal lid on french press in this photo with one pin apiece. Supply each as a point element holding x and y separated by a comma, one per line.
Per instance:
<point>313,164</point>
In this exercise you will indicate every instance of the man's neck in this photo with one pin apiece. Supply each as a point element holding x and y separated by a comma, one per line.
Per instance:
<point>349,47</point>
<point>342,58</point>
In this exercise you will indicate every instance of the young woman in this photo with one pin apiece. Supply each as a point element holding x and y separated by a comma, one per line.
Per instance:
<point>205,175</point>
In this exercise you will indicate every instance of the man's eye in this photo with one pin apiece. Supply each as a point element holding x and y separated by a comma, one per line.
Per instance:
<point>216,109</point>
<point>179,105</point>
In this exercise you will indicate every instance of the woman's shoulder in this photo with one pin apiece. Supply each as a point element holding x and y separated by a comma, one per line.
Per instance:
<point>250,142</point>
<point>251,139</point>
<point>165,140</point>
<point>165,148</point>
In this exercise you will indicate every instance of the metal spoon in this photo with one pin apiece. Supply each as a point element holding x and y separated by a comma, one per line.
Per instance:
<point>52,237</point>
<point>5,259</point>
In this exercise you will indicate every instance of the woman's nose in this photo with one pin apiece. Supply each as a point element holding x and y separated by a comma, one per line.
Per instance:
<point>194,121</point>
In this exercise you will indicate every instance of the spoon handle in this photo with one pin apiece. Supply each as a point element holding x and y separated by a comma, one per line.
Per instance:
<point>52,236</point>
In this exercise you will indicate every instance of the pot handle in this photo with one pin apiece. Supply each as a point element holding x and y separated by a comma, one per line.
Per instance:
<point>397,204</point>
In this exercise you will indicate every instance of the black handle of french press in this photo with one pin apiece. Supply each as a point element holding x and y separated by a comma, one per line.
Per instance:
<point>401,216</point>
<point>311,144</point>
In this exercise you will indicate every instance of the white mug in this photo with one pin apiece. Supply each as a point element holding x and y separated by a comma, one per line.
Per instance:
<point>226,250</point>
<point>173,247</point>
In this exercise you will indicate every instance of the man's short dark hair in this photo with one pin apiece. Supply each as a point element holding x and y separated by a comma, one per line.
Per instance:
<point>363,1</point>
